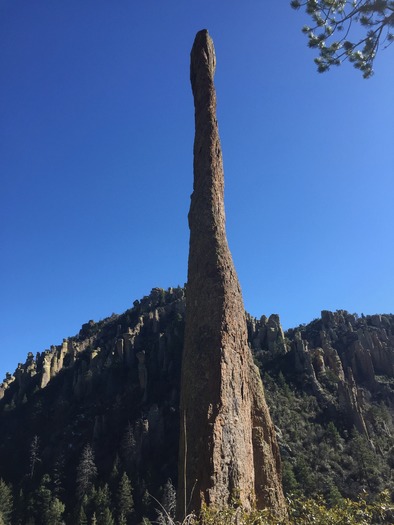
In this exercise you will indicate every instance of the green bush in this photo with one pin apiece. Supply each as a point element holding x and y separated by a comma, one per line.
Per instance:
<point>302,511</point>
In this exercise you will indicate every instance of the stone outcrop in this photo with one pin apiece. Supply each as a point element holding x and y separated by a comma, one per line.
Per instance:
<point>342,357</point>
<point>103,345</point>
<point>351,404</point>
<point>362,345</point>
<point>228,447</point>
<point>267,333</point>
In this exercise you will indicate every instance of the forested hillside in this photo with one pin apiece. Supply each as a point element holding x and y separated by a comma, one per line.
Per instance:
<point>90,427</point>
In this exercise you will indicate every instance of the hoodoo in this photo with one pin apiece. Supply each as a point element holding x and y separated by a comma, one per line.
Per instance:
<point>228,447</point>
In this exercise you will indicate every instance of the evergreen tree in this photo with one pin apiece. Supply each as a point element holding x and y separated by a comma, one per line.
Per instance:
<point>55,512</point>
<point>34,457</point>
<point>168,505</point>
<point>169,498</point>
<point>58,473</point>
<point>101,499</point>
<point>367,463</point>
<point>125,497</point>
<point>46,508</point>
<point>146,502</point>
<point>106,518</point>
<point>42,500</point>
<point>86,472</point>
<point>82,518</point>
<point>333,21</point>
<point>6,502</point>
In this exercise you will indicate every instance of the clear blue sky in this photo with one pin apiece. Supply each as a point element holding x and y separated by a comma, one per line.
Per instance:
<point>96,136</point>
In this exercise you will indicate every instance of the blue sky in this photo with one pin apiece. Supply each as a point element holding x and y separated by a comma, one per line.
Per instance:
<point>96,137</point>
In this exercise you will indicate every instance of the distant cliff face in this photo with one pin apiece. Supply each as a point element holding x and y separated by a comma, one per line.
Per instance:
<point>356,354</point>
<point>354,349</point>
<point>98,346</point>
<point>117,386</point>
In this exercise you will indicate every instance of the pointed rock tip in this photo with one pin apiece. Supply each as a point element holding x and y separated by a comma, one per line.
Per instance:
<point>202,55</point>
<point>201,37</point>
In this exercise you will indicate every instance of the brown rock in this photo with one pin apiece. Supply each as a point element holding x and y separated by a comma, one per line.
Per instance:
<point>361,363</point>
<point>227,446</point>
<point>46,370</point>
<point>275,336</point>
<point>351,403</point>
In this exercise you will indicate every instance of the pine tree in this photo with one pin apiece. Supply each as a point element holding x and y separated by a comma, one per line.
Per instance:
<point>82,518</point>
<point>106,518</point>
<point>6,502</point>
<point>34,455</point>
<point>42,501</point>
<point>101,499</point>
<point>45,508</point>
<point>58,474</point>
<point>348,30</point>
<point>146,502</point>
<point>169,499</point>
<point>55,512</point>
<point>86,472</point>
<point>125,497</point>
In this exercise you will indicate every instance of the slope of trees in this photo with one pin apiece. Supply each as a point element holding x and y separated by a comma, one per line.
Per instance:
<point>97,448</point>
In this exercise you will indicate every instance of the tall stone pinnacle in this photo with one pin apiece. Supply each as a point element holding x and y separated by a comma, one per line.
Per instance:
<point>228,447</point>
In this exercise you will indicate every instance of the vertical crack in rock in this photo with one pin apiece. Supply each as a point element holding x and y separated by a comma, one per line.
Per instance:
<point>228,447</point>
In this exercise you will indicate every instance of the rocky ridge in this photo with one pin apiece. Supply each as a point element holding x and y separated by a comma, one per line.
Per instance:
<point>355,354</point>
<point>121,376</point>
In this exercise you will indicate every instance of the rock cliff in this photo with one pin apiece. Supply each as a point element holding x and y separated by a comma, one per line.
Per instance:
<point>345,359</point>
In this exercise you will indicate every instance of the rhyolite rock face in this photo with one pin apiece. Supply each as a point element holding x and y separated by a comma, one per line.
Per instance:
<point>228,447</point>
<point>356,353</point>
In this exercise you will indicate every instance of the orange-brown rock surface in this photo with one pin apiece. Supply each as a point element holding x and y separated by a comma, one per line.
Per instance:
<point>228,446</point>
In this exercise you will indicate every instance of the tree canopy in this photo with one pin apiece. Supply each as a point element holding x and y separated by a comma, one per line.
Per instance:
<point>351,30</point>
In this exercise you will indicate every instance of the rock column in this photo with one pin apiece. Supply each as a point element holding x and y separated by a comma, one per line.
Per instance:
<point>228,447</point>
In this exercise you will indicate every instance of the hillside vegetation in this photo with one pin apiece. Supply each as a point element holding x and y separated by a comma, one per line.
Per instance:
<point>90,427</point>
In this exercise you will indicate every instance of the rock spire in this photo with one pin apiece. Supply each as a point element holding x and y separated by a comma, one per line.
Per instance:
<point>228,447</point>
